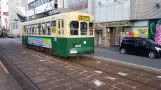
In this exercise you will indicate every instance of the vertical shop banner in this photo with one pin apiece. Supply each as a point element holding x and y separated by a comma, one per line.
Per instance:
<point>152,28</point>
<point>158,34</point>
<point>42,42</point>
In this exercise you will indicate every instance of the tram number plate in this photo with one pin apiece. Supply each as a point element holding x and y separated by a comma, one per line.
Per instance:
<point>85,18</point>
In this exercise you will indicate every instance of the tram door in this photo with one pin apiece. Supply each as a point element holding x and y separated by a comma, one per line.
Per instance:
<point>60,33</point>
<point>60,27</point>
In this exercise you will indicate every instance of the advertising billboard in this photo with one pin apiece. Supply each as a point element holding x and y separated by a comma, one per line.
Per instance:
<point>42,42</point>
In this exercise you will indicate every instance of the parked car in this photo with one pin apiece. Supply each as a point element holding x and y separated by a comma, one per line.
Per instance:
<point>141,46</point>
<point>10,36</point>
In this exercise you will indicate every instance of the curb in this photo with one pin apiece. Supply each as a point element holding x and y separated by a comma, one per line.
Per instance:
<point>131,65</point>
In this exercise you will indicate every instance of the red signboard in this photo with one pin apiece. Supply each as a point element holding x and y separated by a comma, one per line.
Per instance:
<point>5,13</point>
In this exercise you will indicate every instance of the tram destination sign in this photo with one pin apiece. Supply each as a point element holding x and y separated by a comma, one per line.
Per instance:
<point>84,18</point>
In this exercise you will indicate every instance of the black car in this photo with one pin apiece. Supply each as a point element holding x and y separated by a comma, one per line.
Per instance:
<point>141,46</point>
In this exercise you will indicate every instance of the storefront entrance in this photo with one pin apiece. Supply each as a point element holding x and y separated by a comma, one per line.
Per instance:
<point>98,38</point>
<point>115,29</point>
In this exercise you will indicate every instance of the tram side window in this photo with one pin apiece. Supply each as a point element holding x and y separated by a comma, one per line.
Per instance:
<point>74,25</point>
<point>44,28</point>
<point>59,27</point>
<point>29,31</point>
<point>32,29</point>
<point>36,30</point>
<point>39,28</point>
<point>62,24</point>
<point>25,29</point>
<point>91,27</point>
<point>83,28</point>
<point>53,26</point>
<point>48,28</point>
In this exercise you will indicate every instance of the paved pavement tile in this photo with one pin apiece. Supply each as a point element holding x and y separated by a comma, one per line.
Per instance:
<point>142,87</point>
<point>132,84</point>
<point>124,87</point>
<point>47,86</point>
<point>104,87</point>
<point>73,84</point>
<point>62,87</point>
<point>40,83</point>
<point>62,82</point>
<point>82,87</point>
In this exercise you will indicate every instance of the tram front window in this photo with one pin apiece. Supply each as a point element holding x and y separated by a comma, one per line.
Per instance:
<point>74,25</point>
<point>91,28</point>
<point>83,28</point>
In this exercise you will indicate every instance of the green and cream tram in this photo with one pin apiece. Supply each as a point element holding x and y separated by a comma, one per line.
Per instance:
<point>66,34</point>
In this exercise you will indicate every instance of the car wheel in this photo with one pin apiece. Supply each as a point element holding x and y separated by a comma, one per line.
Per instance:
<point>123,51</point>
<point>152,55</point>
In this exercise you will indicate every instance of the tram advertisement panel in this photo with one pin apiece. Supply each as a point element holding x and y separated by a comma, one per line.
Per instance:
<point>42,42</point>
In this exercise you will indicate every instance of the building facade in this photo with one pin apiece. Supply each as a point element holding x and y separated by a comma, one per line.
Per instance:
<point>36,8</point>
<point>81,5</point>
<point>4,14</point>
<point>14,20</point>
<point>116,18</point>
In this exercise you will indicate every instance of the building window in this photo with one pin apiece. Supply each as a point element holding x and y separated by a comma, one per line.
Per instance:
<point>37,3</point>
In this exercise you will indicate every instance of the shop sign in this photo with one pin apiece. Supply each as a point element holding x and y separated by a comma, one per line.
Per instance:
<point>124,23</point>
<point>84,18</point>
<point>42,42</point>
<point>158,34</point>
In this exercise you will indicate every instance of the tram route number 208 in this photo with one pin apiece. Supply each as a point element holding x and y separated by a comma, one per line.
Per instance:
<point>84,18</point>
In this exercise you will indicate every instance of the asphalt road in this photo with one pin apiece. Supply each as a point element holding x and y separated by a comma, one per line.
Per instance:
<point>113,53</point>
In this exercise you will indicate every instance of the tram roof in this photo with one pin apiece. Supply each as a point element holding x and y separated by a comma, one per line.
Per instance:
<point>60,14</point>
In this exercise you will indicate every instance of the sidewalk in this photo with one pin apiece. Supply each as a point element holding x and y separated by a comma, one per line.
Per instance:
<point>7,82</point>
<point>113,49</point>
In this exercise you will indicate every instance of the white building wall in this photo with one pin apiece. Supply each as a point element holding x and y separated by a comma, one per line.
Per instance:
<point>108,10</point>
<point>15,26</point>
<point>4,18</point>
<point>42,8</point>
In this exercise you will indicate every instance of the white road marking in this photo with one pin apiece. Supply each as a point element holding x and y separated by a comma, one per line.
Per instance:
<point>3,67</point>
<point>159,77</point>
<point>98,83</point>
<point>42,60</point>
<point>123,74</point>
<point>111,78</point>
<point>99,72</point>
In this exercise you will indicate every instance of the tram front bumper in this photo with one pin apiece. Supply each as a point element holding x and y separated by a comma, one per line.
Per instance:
<point>84,50</point>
